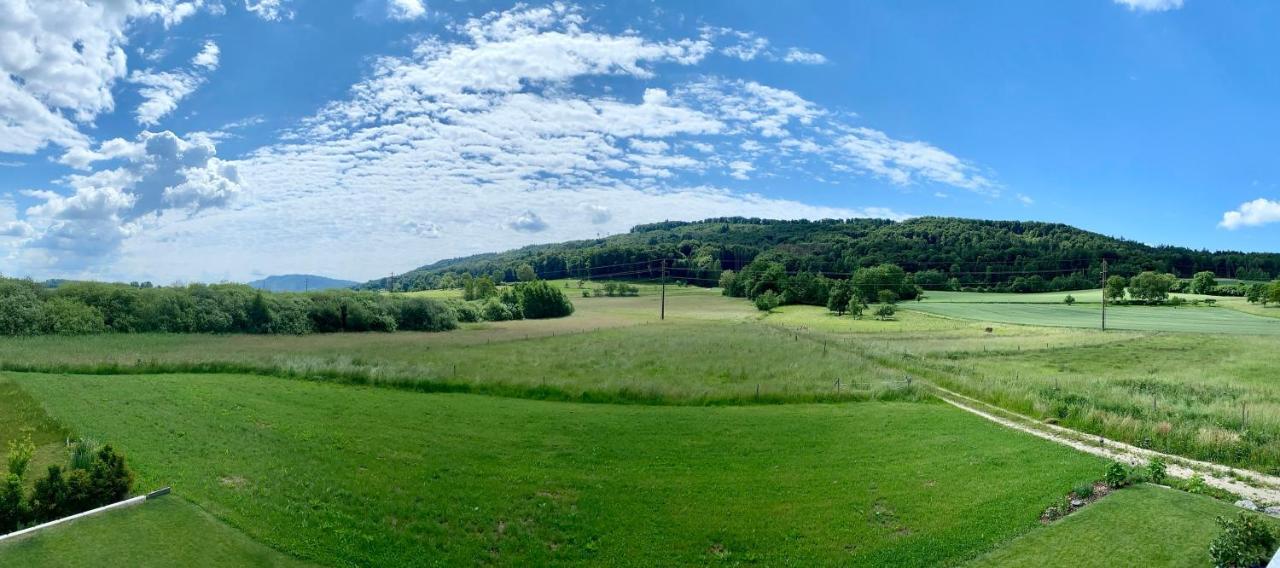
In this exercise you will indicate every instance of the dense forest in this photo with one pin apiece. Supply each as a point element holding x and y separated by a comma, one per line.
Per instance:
<point>940,253</point>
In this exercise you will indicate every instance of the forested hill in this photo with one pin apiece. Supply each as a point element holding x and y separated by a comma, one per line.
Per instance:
<point>970,253</point>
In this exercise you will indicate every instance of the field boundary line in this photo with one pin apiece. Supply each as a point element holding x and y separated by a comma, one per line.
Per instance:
<point>1264,489</point>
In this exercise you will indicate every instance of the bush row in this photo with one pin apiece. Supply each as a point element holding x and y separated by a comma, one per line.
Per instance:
<point>27,308</point>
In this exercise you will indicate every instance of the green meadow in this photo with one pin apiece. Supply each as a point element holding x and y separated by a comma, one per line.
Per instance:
<point>720,435</point>
<point>345,475</point>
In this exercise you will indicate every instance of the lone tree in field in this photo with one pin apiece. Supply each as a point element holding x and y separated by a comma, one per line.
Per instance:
<point>1115,287</point>
<point>840,296</point>
<point>1203,282</point>
<point>1151,287</point>
<point>1069,300</point>
<point>856,307</point>
<point>885,312</point>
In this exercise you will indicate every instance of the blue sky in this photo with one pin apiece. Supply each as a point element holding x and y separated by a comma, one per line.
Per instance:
<point>206,140</point>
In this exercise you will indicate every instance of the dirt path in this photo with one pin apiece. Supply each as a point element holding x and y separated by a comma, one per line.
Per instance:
<point>1260,488</point>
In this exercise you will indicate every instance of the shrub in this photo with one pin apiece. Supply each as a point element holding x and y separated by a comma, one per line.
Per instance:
<point>495,310</point>
<point>1156,470</point>
<point>856,307</point>
<point>1196,484</point>
<point>20,453</point>
<point>1177,301</point>
<point>424,314</point>
<point>109,477</point>
<point>885,312</point>
<point>539,299</point>
<point>13,509</point>
<point>1069,300</point>
<point>49,498</point>
<point>1245,541</point>
<point>767,301</point>
<point>1117,475</point>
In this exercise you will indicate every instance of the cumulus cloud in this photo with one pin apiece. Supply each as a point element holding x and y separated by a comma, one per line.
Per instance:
<point>158,173</point>
<point>749,46</point>
<point>59,62</point>
<point>1251,214</point>
<point>162,91</point>
<point>1150,5</point>
<point>527,222</point>
<point>740,169</point>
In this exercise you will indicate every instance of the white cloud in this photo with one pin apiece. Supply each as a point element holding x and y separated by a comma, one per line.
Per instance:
<point>740,169</point>
<point>59,62</point>
<point>405,9</point>
<point>425,229</point>
<point>598,214</point>
<point>270,10</point>
<point>527,222</point>
<point>1251,214</point>
<point>162,91</point>
<point>161,172</point>
<point>1025,200</point>
<point>483,126</point>
<point>797,55</point>
<point>208,56</point>
<point>1150,5</point>
<point>905,162</point>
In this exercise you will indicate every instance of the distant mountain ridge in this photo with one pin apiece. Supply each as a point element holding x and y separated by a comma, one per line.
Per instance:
<point>299,283</point>
<point>973,252</point>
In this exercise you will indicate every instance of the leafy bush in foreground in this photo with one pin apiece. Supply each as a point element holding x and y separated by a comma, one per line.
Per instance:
<point>1246,541</point>
<point>105,479</point>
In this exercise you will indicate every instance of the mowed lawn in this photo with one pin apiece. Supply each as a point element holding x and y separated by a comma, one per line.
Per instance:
<point>1141,526</point>
<point>1138,318</point>
<point>158,533</point>
<point>347,475</point>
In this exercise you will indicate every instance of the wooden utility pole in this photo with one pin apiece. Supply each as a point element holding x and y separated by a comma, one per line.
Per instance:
<point>662,313</point>
<point>1104,294</point>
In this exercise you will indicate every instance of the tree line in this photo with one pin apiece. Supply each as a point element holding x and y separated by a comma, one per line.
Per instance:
<point>75,308</point>
<point>942,253</point>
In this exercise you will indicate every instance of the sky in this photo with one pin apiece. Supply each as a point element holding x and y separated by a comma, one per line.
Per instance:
<point>216,140</point>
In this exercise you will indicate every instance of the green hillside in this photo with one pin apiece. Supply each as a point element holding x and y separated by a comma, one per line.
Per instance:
<point>974,252</point>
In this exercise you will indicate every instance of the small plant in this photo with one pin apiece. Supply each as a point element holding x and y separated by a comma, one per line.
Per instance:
<point>13,509</point>
<point>82,453</point>
<point>1157,470</point>
<point>885,312</point>
<point>1196,484</point>
<point>1117,475</point>
<point>1069,300</point>
<point>1083,491</point>
<point>1245,541</point>
<point>20,452</point>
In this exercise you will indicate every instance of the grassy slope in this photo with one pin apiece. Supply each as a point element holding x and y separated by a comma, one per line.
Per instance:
<point>164,532</point>
<point>1143,526</point>
<point>1140,318</point>
<point>342,474</point>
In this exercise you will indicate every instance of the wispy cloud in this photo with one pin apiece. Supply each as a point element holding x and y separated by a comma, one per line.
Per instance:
<point>1150,5</point>
<point>162,91</point>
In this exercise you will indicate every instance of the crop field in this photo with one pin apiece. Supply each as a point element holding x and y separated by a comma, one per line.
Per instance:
<point>354,475</point>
